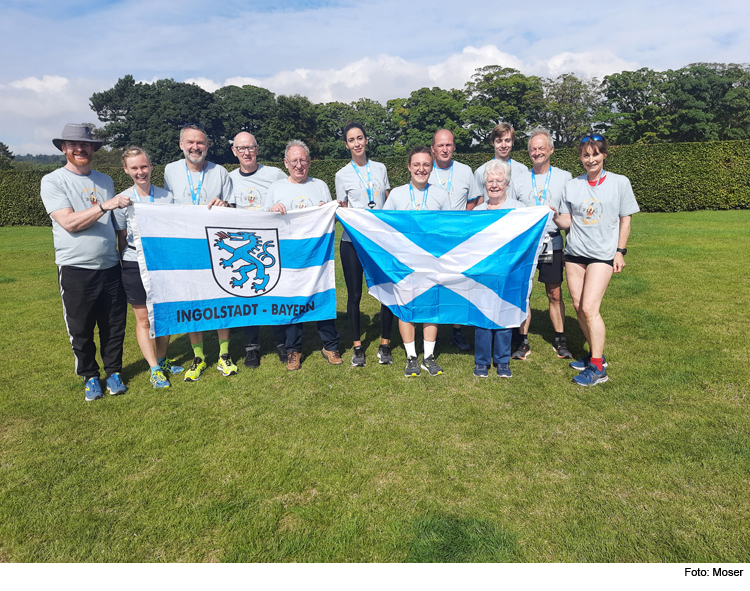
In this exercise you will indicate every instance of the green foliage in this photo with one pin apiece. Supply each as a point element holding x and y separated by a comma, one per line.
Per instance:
<point>665,177</point>
<point>6,157</point>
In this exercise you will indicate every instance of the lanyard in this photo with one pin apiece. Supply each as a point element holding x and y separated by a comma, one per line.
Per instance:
<point>196,199</point>
<point>368,185</point>
<point>546,186</point>
<point>601,179</point>
<point>424,197</point>
<point>138,197</point>
<point>450,178</point>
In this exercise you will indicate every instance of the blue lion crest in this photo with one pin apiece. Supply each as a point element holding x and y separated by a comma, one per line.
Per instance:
<point>253,253</point>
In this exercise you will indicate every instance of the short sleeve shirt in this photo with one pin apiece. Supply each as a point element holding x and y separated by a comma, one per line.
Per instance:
<point>459,181</point>
<point>297,195</point>
<point>216,183</point>
<point>160,196</point>
<point>595,214</point>
<point>95,247</point>
<point>558,178</point>
<point>248,190</point>
<point>516,171</point>
<point>351,187</point>
<point>400,198</point>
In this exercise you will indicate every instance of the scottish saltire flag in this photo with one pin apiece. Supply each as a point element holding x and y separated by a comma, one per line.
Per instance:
<point>450,267</point>
<point>219,268</point>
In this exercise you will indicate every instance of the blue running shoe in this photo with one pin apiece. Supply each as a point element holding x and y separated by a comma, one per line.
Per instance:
<point>168,367</point>
<point>582,364</point>
<point>480,371</point>
<point>503,370</point>
<point>93,390</point>
<point>115,385</point>
<point>159,380</point>
<point>591,376</point>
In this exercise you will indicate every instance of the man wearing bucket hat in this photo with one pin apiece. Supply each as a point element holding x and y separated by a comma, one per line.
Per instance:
<point>85,218</point>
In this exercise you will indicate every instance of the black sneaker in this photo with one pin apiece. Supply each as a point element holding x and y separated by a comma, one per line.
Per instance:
<point>522,351</point>
<point>252,359</point>
<point>431,366</point>
<point>282,353</point>
<point>560,345</point>
<point>412,367</point>
<point>384,355</point>
<point>358,357</point>
<point>460,343</point>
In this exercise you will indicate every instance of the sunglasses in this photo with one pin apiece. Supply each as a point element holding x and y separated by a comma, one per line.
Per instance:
<point>595,136</point>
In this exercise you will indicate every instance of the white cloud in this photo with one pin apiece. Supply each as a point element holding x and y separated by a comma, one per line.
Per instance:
<point>588,64</point>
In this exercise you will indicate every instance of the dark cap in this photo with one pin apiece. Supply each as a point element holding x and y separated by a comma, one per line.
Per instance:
<point>77,132</point>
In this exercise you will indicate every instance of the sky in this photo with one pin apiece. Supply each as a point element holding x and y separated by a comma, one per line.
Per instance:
<point>56,54</point>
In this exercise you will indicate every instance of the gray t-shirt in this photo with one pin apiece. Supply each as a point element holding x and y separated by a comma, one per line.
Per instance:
<point>96,246</point>
<point>595,214</point>
<point>160,196</point>
<point>248,190</point>
<point>400,199</point>
<point>297,195</point>
<point>461,186</point>
<point>216,183</point>
<point>507,204</point>
<point>351,188</point>
<point>558,178</point>
<point>516,170</point>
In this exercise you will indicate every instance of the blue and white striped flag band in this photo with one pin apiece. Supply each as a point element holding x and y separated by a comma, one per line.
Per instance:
<point>450,267</point>
<point>221,268</point>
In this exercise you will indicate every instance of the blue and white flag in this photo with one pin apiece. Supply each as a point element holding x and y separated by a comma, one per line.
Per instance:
<point>450,267</point>
<point>220,268</point>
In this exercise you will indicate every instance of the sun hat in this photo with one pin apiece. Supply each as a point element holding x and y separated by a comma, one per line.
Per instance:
<point>77,132</point>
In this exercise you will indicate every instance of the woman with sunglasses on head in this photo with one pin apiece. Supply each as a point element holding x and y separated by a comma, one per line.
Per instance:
<point>419,195</point>
<point>361,184</point>
<point>595,212</point>
<point>137,165</point>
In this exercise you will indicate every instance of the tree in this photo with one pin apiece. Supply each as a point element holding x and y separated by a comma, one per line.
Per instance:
<point>637,107</point>
<point>570,107</point>
<point>6,157</point>
<point>247,108</point>
<point>498,94</point>
<point>416,119</point>
<point>295,118</point>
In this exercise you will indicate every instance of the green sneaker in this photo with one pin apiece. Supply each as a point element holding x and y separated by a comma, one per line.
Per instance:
<point>196,369</point>
<point>168,367</point>
<point>225,365</point>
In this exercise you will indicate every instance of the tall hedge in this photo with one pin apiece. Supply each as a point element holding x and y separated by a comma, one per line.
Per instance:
<point>665,177</point>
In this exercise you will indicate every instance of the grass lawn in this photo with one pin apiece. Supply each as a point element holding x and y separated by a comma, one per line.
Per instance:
<point>344,464</point>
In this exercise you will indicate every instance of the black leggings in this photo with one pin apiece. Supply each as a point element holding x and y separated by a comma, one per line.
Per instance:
<point>353,277</point>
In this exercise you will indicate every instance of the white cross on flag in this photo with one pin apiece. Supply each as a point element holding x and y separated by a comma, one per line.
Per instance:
<point>450,267</point>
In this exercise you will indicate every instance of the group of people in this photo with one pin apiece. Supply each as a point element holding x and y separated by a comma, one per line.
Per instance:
<point>99,271</point>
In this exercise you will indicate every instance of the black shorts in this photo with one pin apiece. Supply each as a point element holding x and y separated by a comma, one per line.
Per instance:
<point>569,258</point>
<point>551,272</point>
<point>131,281</point>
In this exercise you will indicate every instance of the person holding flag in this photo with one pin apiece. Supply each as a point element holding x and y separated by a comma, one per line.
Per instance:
<point>538,187</point>
<point>196,181</point>
<point>497,177</point>
<point>137,165</point>
<point>361,184</point>
<point>419,195</point>
<point>595,211</point>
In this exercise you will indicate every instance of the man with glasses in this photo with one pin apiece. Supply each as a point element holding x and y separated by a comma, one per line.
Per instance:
<point>543,184</point>
<point>459,181</point>
<point>86,216</point>
<point>299,191</point>
<point>196,181</point>
<point>250,184</point>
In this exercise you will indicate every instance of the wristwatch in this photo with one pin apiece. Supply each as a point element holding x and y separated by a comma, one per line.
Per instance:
<point>622,251</point>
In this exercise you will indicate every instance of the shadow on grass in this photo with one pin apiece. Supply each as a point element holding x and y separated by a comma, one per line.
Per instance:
<point>444,538</point>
